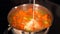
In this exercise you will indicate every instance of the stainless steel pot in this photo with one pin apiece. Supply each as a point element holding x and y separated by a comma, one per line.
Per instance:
<point>25,7</point>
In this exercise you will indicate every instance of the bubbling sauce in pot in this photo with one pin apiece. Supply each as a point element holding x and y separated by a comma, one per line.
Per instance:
<point>21,18</point>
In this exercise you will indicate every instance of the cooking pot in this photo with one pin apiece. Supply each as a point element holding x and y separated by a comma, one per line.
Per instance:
<point>30,17</point>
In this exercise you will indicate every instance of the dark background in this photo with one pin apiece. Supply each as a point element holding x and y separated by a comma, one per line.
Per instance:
<point>53,5</point>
